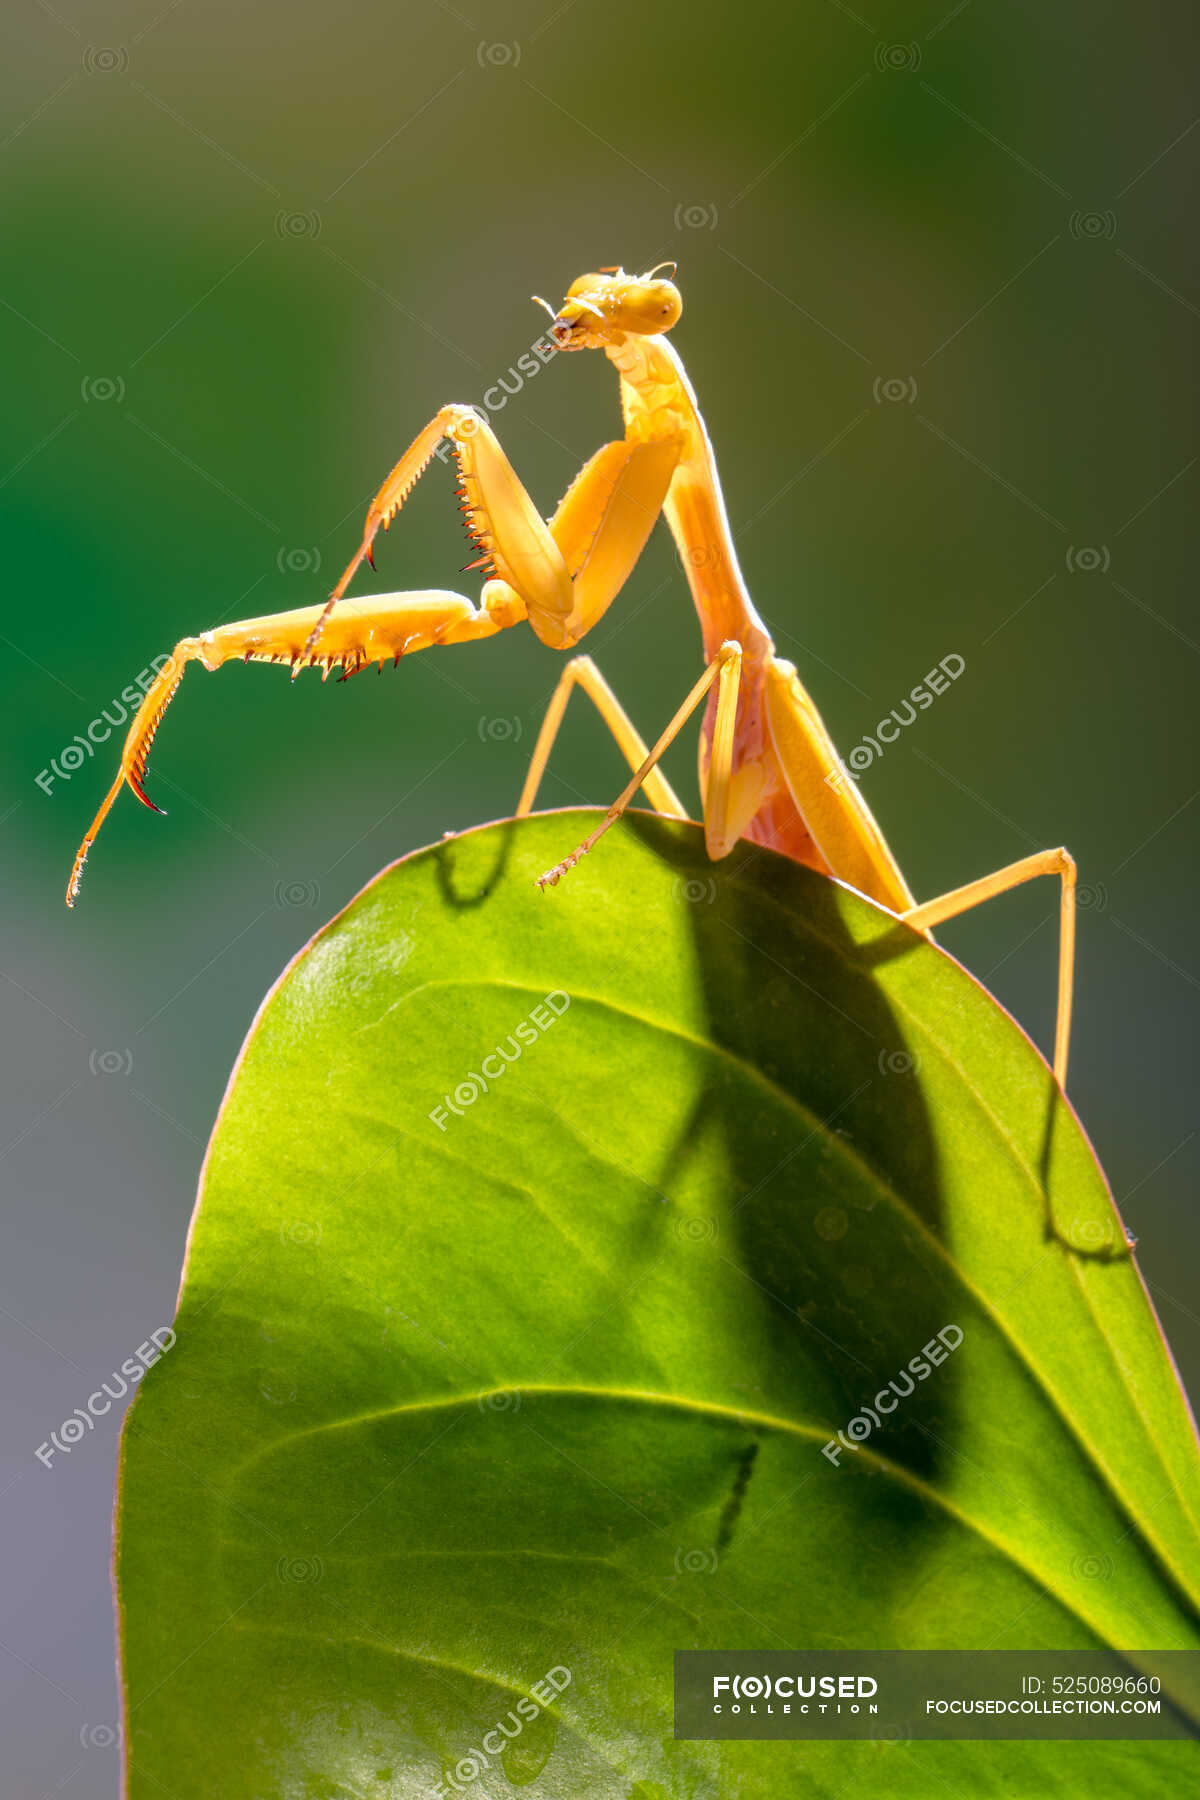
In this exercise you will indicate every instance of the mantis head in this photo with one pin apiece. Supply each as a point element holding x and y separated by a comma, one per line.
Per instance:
<point>603,308</point>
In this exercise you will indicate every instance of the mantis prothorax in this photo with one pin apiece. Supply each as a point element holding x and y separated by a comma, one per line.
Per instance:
<point>768,769</point>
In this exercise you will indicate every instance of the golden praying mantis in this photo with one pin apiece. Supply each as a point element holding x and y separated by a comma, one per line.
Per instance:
<point>769,771</point>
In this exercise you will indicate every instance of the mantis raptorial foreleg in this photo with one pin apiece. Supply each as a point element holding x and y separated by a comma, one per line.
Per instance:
<point>560,576</point>
<point>491,497</point>
<point>603,521</point>
<point>379,630</point>
<point>769,769</point>
<point>960,900</point>
<point>568,572</point>
<point>582,672</point>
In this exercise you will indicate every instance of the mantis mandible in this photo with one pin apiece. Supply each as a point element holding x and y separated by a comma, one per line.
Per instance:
<point>769,771</point>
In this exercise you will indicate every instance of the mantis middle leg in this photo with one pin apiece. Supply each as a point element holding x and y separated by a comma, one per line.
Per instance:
<point>582,672</point>
<point>725,669</point>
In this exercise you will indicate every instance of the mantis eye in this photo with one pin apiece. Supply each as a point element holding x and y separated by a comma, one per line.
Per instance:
<point>651,306</point>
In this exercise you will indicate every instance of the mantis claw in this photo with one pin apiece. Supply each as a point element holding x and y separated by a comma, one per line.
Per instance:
<point>374,631</point>
<point>144,797</point>
<point>553,876</point>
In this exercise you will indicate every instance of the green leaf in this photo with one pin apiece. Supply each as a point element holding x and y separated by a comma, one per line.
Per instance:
<point>460,1397</point>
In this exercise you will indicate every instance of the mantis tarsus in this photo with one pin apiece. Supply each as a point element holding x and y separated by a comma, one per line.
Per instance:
<point>768,768</point>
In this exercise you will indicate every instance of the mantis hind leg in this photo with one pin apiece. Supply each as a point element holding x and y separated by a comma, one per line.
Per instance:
<point>1046,862</point>
<point>582,672</point>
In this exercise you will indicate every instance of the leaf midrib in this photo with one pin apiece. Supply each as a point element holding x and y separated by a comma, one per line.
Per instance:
<point>849,1154</point>
<point>748,1418</point>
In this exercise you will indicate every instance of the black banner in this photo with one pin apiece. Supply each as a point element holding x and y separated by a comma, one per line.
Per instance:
<point>910,1694</point>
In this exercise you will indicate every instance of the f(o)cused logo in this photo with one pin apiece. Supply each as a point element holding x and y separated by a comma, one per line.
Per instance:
<point>695,1562</point>
<point>499,731</point>
<point>504,1400</point>
<point>99,1737</point>
<point>102,388</point>
<point>1090,1234</point>
<point>296,893</point>
<point>1085,559</point>
<point>891,59</point>
<point>1092,224</point>
<point>466,422</point>
<point>696,891</point>
<point>1092,1567</point>
<point>697,217</point>
<point>298,562</point>
<point>696,1230</point>
<point>894,390</point>
<point>298,224</point>
<point>304,1569</point>
<point>498,56</point>
<point>106,60</point>
<point>699,556</point>
<point>466,1771</point>
<point>300,1231</point>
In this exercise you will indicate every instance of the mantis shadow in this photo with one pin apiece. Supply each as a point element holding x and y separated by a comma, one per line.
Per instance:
<point>902,942</point>
<point>480,891</point>
<point>813,1102</point>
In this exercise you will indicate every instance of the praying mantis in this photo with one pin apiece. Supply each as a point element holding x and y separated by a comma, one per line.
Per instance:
<point>769,771</point>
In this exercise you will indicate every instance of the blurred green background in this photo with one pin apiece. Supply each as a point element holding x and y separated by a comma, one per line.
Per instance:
<point>940,313</point>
